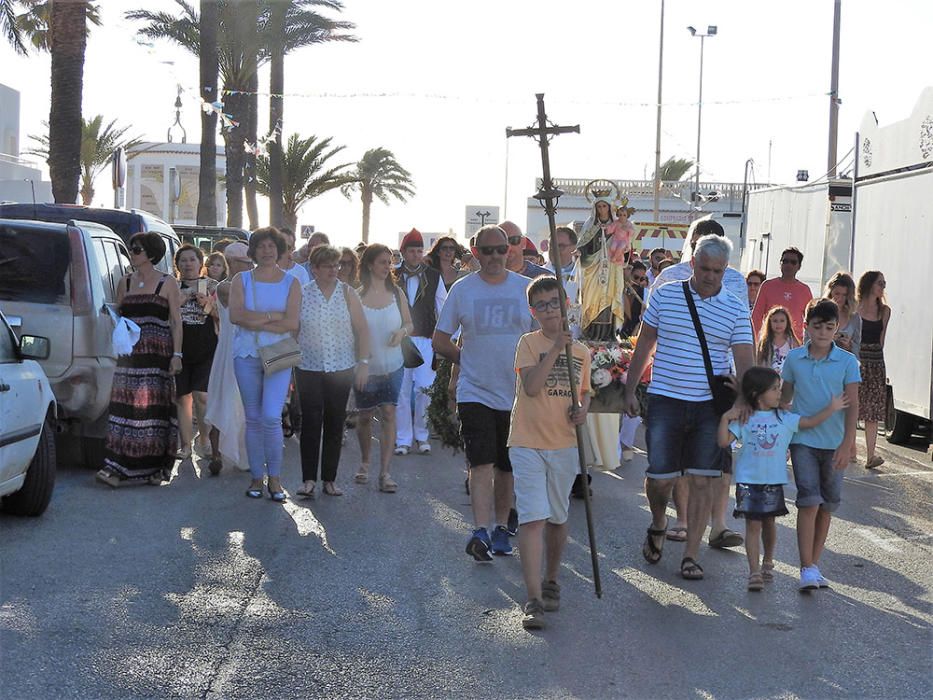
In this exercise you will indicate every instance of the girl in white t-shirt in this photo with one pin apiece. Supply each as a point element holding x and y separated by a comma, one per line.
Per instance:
<point>777,338</point>
<point>761,463</point>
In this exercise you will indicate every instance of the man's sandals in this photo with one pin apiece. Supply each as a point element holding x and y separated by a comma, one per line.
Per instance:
<point>690,570</point>
<point>649,550</point>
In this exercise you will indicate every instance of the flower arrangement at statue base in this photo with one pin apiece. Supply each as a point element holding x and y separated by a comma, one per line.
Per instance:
<point>609,363</point>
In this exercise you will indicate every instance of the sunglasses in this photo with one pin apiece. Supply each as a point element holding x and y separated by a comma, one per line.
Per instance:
<point>137,249</point>
<point>515,240</point>
<point>545,305</point>
<point>490,249</point>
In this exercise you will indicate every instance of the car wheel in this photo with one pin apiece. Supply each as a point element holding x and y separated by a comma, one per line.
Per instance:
<point>898,426</point>
<point>33,498</point>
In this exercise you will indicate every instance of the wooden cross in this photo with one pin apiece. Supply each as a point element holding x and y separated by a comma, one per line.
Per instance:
<point>548,196</point>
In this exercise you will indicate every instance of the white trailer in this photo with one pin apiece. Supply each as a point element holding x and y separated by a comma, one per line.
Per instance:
<point>814,217</point>
<point>893,232</point>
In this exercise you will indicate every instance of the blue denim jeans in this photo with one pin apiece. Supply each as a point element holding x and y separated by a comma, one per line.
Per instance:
<point>263,398</point>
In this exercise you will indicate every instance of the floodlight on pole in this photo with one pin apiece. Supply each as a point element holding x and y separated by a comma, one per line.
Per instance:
<point>711,30</point>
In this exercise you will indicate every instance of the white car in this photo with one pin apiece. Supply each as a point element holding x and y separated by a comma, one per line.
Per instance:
<point>27,419</point>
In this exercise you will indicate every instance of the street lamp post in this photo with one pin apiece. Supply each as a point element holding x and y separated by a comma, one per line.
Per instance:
<point>711,30</point>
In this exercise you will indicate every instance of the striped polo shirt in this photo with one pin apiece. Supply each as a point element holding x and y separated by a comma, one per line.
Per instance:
<point>678,370</point>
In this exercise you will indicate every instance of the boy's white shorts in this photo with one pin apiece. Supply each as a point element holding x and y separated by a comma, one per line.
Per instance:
<point>543,480</point>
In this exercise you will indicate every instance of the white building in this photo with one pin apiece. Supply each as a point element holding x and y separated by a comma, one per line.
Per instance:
<point>20,180</point>
<point>151,170</point>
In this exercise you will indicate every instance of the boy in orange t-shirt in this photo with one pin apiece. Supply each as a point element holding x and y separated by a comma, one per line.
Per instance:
<point>543,445</point>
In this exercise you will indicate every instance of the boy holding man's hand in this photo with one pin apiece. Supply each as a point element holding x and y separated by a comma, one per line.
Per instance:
<point>543,445</point>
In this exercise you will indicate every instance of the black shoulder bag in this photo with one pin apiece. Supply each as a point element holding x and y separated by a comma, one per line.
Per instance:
<point>411,356</point>
<point>723,394</point>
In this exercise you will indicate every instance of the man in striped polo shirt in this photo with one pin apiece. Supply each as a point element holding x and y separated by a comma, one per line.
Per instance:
<point>682,423</point>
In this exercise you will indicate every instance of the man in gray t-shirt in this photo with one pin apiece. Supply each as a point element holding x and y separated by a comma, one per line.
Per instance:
<point>490,308</point>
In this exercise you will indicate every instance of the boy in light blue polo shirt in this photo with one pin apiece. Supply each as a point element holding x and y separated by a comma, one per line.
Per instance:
<point>813,374</point>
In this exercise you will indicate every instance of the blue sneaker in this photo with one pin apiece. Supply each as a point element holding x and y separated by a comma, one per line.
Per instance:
<point>479,545</point>
<point>500,542</point>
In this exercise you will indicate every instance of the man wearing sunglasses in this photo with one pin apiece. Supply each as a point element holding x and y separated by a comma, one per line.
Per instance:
<point>490,308</point>
<point>516,260</point>
<point>786,291</point>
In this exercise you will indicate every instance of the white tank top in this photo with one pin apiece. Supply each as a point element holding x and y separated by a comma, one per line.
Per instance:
<point>382,324</point>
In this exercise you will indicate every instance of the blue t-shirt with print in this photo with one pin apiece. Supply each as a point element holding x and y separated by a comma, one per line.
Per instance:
<point>816,382</point>
<point>764,438</point>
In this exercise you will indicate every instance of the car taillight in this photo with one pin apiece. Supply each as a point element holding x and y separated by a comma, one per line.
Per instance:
<point>81,301</point>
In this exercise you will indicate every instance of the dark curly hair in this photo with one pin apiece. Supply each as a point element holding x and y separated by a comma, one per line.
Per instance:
<point>263,234</point>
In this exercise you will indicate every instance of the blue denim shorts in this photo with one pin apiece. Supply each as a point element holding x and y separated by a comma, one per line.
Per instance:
<point>759,501</point>
<point>681,439</point>
<point>380,390</point>
<point>818,484</point>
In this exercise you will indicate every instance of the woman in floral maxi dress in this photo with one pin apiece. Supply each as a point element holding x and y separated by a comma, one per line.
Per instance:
<point>142,435</point>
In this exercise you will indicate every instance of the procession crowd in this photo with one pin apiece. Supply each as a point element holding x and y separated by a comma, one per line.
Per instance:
<point>259,340</point>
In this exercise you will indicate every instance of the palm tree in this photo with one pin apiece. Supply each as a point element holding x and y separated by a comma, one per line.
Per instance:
<point>96,148</point>
<point>243,46</point>
<point>207,177</point>
<point>673,169</point>
<point>306,173</point>
<point>379,175</point>
<point>33,24</point>
<point>67,41</point>
<point>9,27</point>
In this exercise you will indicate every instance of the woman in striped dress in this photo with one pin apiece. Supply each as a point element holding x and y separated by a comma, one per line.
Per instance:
<point>142,434</point>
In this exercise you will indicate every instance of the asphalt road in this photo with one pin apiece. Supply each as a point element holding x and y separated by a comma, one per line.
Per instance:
<point>191,590</point>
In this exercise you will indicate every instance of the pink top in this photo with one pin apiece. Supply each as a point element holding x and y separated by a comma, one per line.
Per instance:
<point>793,296</point>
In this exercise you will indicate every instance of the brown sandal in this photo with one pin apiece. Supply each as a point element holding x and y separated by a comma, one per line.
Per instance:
<point>362,474</point>
<point>386,484</point>
<point>330,488</point>
<point>755,582</point>
<point>690,570</point>
<point>767,571</point>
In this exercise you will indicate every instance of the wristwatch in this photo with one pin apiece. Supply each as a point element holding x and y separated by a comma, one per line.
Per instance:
<point>364,361</point>
<point>177,354</point>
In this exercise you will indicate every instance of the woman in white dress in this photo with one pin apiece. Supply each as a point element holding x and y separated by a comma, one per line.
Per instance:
<point>224,407</point>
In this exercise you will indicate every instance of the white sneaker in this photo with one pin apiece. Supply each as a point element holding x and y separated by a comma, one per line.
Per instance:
<point>402,449</point>
<point>821,580</point>
<point>424,448</point>
<point>809,578</point>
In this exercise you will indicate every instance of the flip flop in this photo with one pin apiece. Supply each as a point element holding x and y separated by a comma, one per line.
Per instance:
<point>649,550</point>
<point>726,538</point>
<point>677,534</point>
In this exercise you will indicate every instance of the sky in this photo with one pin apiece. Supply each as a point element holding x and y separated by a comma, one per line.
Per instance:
<point>437,83</point>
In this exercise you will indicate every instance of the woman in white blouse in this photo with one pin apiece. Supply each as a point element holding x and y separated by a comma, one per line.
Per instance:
<point>389,321</point>
<point>334,342</point>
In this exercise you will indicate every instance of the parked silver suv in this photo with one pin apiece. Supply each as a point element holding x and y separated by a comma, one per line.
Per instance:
<point>55,280</point>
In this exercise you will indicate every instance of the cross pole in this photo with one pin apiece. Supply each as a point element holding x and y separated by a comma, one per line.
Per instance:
<point>548,196</point>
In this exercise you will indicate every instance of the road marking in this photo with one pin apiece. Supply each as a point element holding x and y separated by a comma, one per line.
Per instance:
<point>307,524</point>
<point>923,472</point>
<point>876,539</point>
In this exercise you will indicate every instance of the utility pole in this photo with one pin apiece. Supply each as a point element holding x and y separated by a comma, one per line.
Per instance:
<point>711,30</point>
<point>657,136</point>
<point>834,93</point>
<point>548,196</point>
